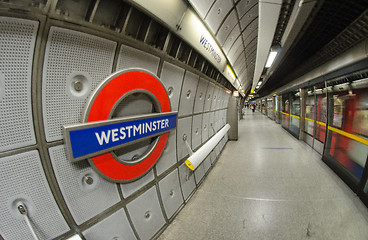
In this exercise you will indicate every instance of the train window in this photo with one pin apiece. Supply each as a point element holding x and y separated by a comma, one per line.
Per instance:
<point>348,132</point>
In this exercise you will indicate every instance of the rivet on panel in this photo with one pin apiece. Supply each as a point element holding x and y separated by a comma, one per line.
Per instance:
<point>188,94</point>
<point>200,96</point>
<point>170,90</point>
<point>88,180</point>
<point>185,137</point>
<point>147,215</point>
<point>219,11</point>
<point>171,193</point>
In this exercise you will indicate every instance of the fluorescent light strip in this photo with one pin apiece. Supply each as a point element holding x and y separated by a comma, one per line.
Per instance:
<point>270,59</point>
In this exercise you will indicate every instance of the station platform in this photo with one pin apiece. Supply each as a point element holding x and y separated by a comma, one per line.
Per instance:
<point>269,185</point>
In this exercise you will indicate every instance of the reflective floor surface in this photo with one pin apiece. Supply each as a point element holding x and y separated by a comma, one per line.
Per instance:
<point>269,185</point>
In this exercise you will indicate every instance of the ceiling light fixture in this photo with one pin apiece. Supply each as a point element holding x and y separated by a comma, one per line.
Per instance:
<point>271,59</point>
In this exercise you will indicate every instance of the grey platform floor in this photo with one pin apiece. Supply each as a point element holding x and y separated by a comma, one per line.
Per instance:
<point>269,185</point>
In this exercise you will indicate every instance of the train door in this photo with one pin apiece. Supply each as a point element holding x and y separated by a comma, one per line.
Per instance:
<point>321,120</point>
<point>270,111</point>
<point>285,117</point>
<point>310,112</point>
<point>346,147</point>
<point>295,113</point>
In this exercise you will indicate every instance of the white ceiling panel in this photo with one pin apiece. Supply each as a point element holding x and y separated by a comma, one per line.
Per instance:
<point>249,17</point>
<point>250,37</point>
<point>217,13</point>
<point>235,50</point>
<point>202,6</point>
<point>244,6</point>
<point>231,39</point>
<point>227,27</point>
<point>250,28</point>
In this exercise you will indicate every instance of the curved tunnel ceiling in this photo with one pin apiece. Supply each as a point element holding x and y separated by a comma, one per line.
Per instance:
<point>235,27</point>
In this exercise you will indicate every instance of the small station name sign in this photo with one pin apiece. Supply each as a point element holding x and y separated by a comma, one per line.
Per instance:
<point>95,138</point>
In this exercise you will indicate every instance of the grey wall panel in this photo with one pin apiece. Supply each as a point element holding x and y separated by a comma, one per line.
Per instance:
<point>84,191</point>
<point>211,125</point>
<point>130,188</point>
<point>168,157</point>
<point>188,92</point>
<point>207,163</point>
<point>220,102</point>
<point>114,227</point>
<point>199,173</point>
<point>133,58</point>
<point>172,77</point>
<point>171,195</point>
<point>205,126</point>
<point>71,56</point>
<point>217,121</point>
<point>214,98</point>
<point>184,128</point>
<point>22,179</point>
<point>202,6</point>
<point>213,157</point>
<point>227,27</point>
<point>17,38</point>
<point>146,214</point>
<point>197,131</point>
<point>186,180</point>
<point>200,95</point>
<point>217,13</point>
<point>209,96</point>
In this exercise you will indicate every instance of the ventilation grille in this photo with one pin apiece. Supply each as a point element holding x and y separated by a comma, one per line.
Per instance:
<point>71,56</point>
<point>22,179</point>
<point>17,42</point>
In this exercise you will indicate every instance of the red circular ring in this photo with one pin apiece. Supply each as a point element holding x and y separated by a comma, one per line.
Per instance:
<point>100,108</point>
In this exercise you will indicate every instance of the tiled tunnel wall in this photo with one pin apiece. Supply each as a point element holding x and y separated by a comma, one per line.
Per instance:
<point>37,99</point>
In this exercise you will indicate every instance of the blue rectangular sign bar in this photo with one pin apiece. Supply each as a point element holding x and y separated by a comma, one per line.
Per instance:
<point>92,139</point>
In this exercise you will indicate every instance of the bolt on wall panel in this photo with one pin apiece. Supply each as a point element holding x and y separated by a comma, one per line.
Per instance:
<point>129,188</point>
<point>171,194</point>
<point>18,37</point>
<point>146,214</point>
<point>168,156</point>
<point>85,192</point>
<point>172,78</point>
<point>114,227</point>
<point>186,180</point>
<point>133,58</point>
<point>22,180</point>
<point>188,92</point>
<point>184,131</point>
<point>200,96</point>
<point>75,63</point>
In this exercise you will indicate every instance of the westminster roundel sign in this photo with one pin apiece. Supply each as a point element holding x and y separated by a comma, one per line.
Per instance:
<point>101,134</point>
